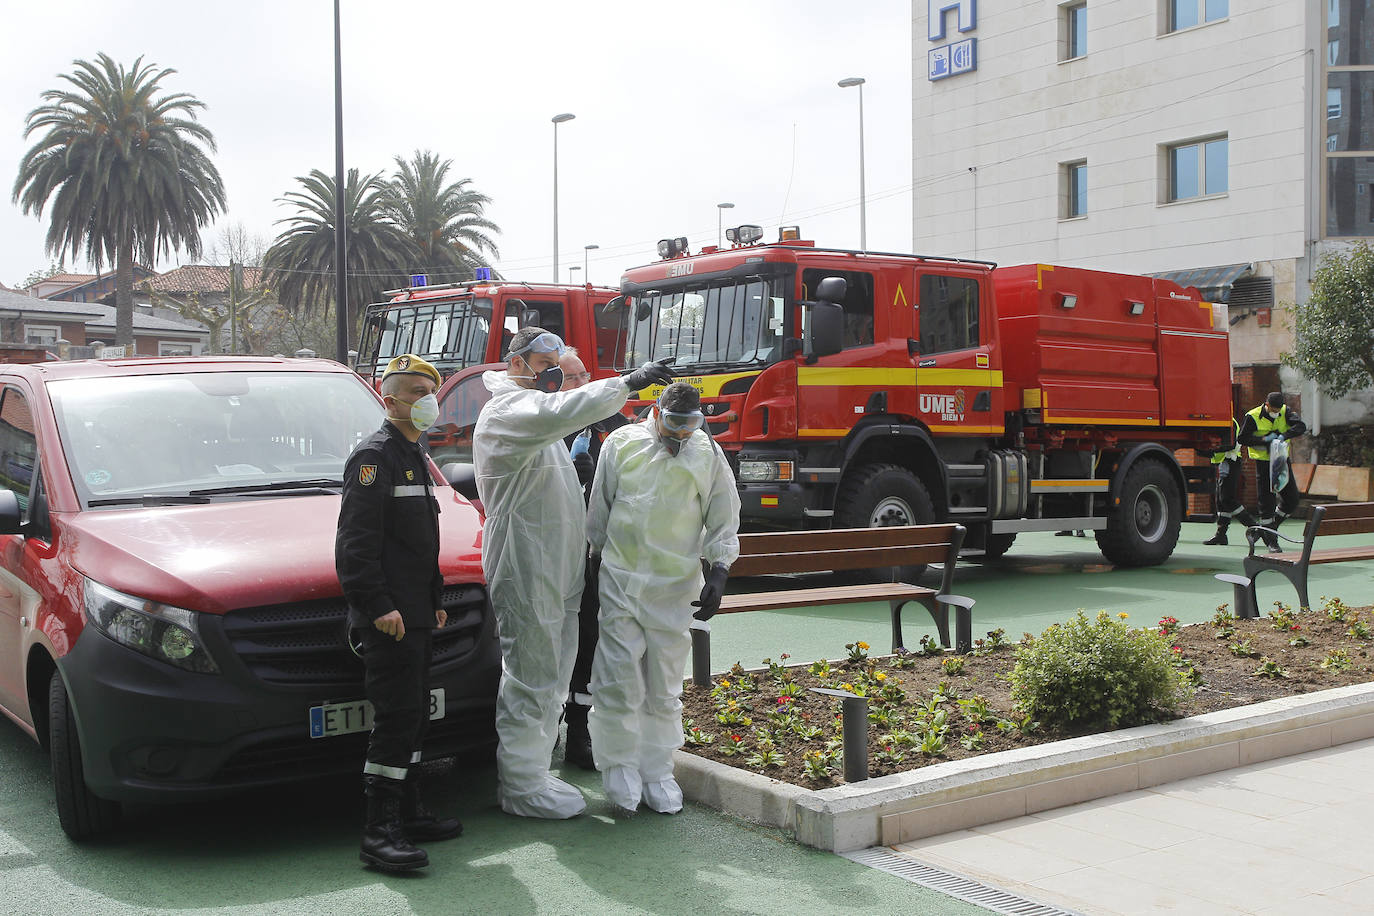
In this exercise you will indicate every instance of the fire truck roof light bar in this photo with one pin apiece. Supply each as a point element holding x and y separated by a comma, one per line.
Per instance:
<point>672,248</point>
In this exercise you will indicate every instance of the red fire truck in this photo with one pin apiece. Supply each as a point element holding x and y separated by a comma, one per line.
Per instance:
<point>451,324</point>
<point>858,389</point>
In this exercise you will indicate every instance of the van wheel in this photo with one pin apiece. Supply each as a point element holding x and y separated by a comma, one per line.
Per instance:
<point>882,496</point>
<point>81,813</point>
<point>1142,529</point>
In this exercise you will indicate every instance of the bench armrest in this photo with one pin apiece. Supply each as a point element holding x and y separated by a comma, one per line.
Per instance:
<point>956,600</point>
<point>1255,532</point>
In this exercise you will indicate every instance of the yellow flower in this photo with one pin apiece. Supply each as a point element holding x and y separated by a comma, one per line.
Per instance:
<point>1123,615</point>
<point>731,704</point>
<point>879,676</point>
<point>849,687</point>
<point>863,645</point>
<point>724,682</point>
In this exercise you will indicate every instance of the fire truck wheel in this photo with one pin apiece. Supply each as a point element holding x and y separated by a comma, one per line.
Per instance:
<point>997,544</point>
<point>81,813</point>
<point>1142,529</point>
<point>880,496</point>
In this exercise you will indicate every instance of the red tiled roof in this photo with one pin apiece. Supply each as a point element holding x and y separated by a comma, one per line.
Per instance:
<point>201,278</point>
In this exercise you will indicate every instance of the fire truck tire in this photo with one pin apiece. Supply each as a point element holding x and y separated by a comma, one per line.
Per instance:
<point>998,544</point>
<point>81,813</point>
<point>879,496</point>
<point>1142,529</point>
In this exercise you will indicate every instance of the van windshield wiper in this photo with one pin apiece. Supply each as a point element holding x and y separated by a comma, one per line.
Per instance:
<point>313,483</point>
<point>150,499</point>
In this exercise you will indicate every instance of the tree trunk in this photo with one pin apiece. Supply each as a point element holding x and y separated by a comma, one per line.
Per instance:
<point>124,294</point>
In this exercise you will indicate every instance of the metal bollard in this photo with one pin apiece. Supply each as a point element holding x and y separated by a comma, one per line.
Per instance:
<point>1240,590</point>
<point>854,710</point>
<point>701,653</point>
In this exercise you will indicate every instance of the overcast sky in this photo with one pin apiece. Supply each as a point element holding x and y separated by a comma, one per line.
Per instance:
<point>679,107</point>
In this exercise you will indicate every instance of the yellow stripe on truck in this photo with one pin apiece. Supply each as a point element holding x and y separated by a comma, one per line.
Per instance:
<point>842,376</point>
<point>708,385</point>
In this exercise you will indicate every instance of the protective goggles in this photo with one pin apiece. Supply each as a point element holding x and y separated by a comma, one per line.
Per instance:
<point>675,422</point>
<point>548,342</point>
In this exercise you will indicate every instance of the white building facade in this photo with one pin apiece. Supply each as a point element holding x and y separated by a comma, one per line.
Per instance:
<point>1149,136</point>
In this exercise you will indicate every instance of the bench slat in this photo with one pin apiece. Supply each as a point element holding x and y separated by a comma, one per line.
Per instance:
<point>842,538</point>
<point>820,561</point>
<point>1349,510</point>
<point>805,597</point>
<point>1331,526</point>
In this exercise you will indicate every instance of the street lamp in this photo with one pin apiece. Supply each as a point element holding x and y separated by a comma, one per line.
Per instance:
<point>720,214</point>
<point>863,212</point>
<point>571,271</point>
<point>557,120</point>
<point>587,274</point>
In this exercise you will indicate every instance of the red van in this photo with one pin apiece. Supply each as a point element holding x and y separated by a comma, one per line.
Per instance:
<point>171,626</point>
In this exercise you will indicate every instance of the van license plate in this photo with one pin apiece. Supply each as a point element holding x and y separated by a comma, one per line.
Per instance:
<point>333,719</point>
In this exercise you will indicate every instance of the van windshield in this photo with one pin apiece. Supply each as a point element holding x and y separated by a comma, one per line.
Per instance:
<point>169,435</point>
<point>711,326</point>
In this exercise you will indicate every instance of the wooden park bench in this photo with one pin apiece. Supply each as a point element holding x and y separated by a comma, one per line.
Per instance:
<point>845,549</point>
<point>1338,518</point>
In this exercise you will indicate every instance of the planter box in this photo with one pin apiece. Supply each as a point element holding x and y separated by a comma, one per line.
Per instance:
<point>964,793</point>
<point>1356,485</point>
<point>1326,481</point>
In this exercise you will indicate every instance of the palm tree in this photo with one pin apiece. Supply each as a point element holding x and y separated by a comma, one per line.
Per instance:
<point>124,170</point>
<point>445,221</point>
<point>377,254</point>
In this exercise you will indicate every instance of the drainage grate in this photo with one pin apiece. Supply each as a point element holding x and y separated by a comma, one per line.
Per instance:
<point>967,889</point>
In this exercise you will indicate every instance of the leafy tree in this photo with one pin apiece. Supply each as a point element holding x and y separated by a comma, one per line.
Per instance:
<point>124,169</point>
<point>300,263</point>
<point>444,221</point>
<point>1334,330</point>
<point>52,270</point>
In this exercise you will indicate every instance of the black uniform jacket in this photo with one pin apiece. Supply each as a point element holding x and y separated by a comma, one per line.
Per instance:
<point>386,551</point>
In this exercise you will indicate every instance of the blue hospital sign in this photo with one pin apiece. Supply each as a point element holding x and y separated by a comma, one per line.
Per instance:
<point>956,57</point>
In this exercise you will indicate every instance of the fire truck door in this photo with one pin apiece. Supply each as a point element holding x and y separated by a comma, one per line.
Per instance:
<point>958,389</point>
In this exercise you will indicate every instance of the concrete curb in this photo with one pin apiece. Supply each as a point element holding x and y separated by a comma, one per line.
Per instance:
<point>980,790</point>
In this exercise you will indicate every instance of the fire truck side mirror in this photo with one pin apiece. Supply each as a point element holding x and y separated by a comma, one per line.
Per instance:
<point>824,330</point>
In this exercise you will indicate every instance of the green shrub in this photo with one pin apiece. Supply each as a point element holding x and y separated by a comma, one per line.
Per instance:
<point>1097,674</point>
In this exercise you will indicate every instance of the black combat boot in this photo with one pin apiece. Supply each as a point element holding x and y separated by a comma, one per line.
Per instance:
<point>421,823</point>
<point>1273,542</point>
<point>1219,539</point>
<point>578,750</point>
<point>384,839</point>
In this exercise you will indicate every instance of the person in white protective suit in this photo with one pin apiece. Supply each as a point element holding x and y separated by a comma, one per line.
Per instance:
<point>534,553</point>
<point>663,498</point>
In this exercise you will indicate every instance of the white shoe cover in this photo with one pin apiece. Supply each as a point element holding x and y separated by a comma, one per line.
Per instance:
<point>556,801</point>
<point>622,787</point>
<point>664,795</point>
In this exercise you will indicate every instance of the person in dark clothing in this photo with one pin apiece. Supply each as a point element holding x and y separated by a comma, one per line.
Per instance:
<point>1228,464</point>
<point>386,553</point>
<point>1269,422</point>
<point>578,748</point>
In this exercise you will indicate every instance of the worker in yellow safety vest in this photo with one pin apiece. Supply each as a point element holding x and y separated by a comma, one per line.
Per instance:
<point>1228,467</point>
<point>1268,423</point>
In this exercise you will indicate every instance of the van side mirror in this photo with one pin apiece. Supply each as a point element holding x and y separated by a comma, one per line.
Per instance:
<point>10,516</point>
<point>462,476</point>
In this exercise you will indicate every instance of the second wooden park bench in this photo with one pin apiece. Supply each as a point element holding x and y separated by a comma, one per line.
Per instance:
<point>1338,518</point>
<point>845,549</point>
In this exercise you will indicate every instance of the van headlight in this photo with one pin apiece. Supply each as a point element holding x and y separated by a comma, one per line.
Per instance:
<point>168,634</point>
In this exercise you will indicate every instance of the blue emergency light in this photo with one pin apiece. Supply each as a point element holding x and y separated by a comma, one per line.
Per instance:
<point>482,273</point>
<point>419,280</point>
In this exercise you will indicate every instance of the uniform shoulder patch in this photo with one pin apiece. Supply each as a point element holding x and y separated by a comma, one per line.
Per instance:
<point>410,475</point>
<point>367,474</point>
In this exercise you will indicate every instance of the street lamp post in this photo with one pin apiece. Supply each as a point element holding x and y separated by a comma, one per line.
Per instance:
<point>720,215</point>
<point>557,120</point>
<point>572,271</point>
<point>586,273</point>
<point>863,211</point>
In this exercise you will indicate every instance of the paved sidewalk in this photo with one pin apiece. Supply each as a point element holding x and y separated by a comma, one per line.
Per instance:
<point>1288,836</point>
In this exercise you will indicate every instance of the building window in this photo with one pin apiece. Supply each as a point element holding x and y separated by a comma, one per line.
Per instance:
<point>1197,169</point>
<point>1073,40</point>
<point>41,334</point>
<point>1349,155</point>
<point>1333,104</point>
<point>173,348</point>
<point>1073,183</point>
<point>1184,14</point>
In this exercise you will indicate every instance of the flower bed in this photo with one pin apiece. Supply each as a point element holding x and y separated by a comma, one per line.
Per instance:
<point>929,707</point>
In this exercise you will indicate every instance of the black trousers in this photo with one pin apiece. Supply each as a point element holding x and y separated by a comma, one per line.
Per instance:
<point>587,632</point>
<point>397,684</point>
<point>1287,498</point>
<point>1227,486</point>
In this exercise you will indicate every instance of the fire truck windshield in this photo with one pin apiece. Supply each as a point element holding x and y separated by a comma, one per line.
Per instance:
<point>709,326</point>
<point>451,334</point>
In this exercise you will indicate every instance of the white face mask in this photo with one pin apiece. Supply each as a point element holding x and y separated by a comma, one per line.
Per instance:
<point>423,412</point>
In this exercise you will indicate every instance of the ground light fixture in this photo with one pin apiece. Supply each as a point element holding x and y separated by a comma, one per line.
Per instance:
<point>847,83</point>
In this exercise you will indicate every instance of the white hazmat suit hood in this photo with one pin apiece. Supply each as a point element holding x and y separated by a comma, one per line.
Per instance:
<point>533,555</point>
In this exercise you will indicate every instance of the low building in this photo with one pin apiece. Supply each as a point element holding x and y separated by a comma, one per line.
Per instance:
<point>48,323</point>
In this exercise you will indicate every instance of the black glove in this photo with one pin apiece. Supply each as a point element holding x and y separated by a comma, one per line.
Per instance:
<point>712,592</point>
<point>654,373</point>
<point>585,468</point>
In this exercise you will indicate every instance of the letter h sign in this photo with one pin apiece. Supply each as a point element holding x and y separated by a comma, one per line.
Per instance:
<point>935,16</point>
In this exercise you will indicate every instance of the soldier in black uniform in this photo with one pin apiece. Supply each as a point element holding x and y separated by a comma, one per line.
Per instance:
<point>386,554</point>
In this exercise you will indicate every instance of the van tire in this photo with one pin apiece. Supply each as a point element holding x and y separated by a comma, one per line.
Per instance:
<point>1142,528</point>
<point>81,813</point>
<point>878,496</point>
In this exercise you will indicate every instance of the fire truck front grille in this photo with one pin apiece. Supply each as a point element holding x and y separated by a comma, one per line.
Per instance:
<point>306,644</point>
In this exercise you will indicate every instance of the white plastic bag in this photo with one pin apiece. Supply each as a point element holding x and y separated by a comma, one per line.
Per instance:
<point>1278,464</point>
